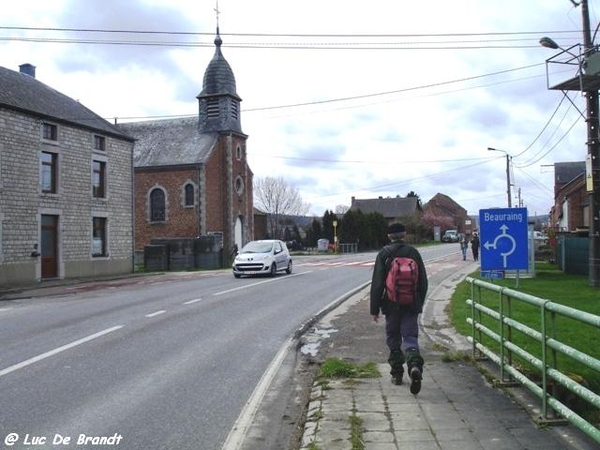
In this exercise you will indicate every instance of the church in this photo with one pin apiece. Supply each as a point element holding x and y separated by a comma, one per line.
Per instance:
<point>192,176</point>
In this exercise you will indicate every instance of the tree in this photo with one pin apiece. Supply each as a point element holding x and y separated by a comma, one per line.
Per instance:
<point>276,198</point>
<point>341,209</point>
<point>314,233</point>
<point>328,218</point>
<point>419,202</point>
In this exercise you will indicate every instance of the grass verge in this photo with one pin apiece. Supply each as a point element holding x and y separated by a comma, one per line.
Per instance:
<point>550,284</point>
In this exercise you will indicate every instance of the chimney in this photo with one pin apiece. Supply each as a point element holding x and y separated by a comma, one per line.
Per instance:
<point>27,69</point>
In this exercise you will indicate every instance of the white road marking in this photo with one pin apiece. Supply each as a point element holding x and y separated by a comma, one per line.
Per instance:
<point>156,313</point>
<point>5,309</point>
<point>271,280</point>
<point>57,350</point>
<point>189,302</point>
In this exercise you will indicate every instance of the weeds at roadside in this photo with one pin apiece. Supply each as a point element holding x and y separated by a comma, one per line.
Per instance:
<point>338,368</point>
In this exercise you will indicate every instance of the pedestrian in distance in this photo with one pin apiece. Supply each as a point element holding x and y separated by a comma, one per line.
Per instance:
<point>400,307</point>
<point>475,246</point>
<point>464,245</point>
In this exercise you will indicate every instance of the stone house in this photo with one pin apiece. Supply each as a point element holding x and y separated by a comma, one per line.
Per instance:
<point>192,176</point>
<point>66,180</point>
<point>571,200</point>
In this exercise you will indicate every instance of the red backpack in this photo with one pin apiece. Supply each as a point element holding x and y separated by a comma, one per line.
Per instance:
<point>401,280</point>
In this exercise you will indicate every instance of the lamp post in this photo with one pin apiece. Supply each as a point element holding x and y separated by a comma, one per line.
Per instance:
<point>507,173</point>
<point>588,81</point>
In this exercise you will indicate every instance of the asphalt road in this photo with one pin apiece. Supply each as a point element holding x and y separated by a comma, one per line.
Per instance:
<point>157,362</point>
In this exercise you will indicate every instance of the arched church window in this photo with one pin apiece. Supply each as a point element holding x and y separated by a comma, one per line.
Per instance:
<point>189,195</point>
<point>157,205</point>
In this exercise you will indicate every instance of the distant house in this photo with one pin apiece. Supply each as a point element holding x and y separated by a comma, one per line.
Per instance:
<point>571,201</point>
<point>442,205</point>
<point>66,182</point>
<point>192,176</point>
<point>391,208</point>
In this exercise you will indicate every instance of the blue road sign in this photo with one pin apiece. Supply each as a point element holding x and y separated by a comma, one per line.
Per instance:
<point>503,238</point>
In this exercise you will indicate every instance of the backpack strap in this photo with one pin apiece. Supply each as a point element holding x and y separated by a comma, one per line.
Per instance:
<point>392,253</point>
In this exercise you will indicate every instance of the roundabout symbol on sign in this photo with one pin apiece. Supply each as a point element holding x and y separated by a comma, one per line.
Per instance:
<point>493,245</point>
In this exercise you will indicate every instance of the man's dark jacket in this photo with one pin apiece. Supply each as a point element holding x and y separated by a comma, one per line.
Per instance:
<point>379,300</point>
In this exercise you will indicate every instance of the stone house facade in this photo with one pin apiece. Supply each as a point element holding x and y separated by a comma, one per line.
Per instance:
<point>66,180</point>
<point>192,176</point>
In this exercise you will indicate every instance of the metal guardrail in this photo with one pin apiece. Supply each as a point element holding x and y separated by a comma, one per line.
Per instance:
<point>502,315</point>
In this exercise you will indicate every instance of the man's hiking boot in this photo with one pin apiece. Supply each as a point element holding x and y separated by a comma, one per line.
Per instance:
<point>397,378</point>
<point>415,380</point>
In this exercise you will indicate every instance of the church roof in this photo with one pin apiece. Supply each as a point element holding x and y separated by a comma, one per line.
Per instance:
<point>169,142</point>
<point>22,92</point>
<point>218,77</point>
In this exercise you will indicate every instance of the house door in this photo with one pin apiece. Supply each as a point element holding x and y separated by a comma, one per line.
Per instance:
<point>49,253</point>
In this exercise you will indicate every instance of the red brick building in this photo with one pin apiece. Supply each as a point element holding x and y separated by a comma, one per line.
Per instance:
<point>571,200</point>
<point>191,175</point>
<point>443,206</point>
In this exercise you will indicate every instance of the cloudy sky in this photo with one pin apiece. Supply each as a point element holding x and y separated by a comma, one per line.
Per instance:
<point>341,98</point>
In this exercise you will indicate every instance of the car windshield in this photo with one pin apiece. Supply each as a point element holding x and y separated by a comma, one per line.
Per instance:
<point>257,247</point>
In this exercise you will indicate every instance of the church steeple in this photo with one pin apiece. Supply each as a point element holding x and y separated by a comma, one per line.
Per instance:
<point>219,103</point>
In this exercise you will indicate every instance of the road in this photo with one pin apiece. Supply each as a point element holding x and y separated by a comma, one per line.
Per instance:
<point>159,362</point>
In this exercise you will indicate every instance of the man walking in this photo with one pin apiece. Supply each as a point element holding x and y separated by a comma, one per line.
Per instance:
<point>401,320</point>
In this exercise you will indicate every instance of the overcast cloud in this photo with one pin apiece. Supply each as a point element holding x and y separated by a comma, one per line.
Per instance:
<point>358,120</point>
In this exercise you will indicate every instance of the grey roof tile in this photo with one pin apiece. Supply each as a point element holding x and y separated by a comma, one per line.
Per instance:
<point>169,142</point>
<point>25,93</point>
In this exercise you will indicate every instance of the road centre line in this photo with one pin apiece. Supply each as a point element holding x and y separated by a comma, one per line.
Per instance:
<point>189,302</point>
<point>156,313</point>
<point>260,282</point>
<point>57,350</point>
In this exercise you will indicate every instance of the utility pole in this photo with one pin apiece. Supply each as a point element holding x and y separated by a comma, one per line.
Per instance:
<point>587,81</point>
<point>593,157</point>
<point>508,193</point>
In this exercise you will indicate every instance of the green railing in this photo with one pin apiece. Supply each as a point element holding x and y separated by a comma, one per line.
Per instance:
<point>498,335</point>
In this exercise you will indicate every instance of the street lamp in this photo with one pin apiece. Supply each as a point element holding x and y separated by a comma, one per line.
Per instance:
<point>588,81</point>
<point>507,173</point>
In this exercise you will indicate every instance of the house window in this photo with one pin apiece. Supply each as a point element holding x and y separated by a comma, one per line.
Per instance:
<point>238,153</point>
<point>99,236</point>
<point>49,172</point>
<point>157,205</point>
<point>99,143</point>
<point>98,179</point>
<point>189,195</point>
<point>49,131</point>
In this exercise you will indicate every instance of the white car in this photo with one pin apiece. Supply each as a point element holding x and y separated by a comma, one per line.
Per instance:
<point>266,257</point>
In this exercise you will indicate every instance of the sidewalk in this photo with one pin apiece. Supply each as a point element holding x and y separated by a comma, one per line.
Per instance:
<point>457,407</point>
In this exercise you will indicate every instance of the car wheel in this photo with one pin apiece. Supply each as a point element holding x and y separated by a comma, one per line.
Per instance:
<point>289,268</point>
<point>273,270</point>
<point>237,275</point>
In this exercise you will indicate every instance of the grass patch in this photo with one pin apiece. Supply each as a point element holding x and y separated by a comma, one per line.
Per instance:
<point>356,432</point>
<point>338,368</point>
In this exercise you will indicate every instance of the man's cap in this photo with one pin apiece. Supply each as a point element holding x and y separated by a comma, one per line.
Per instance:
<point>396,228</point>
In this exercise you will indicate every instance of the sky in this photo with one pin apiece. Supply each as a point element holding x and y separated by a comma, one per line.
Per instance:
<point>340,98</point>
